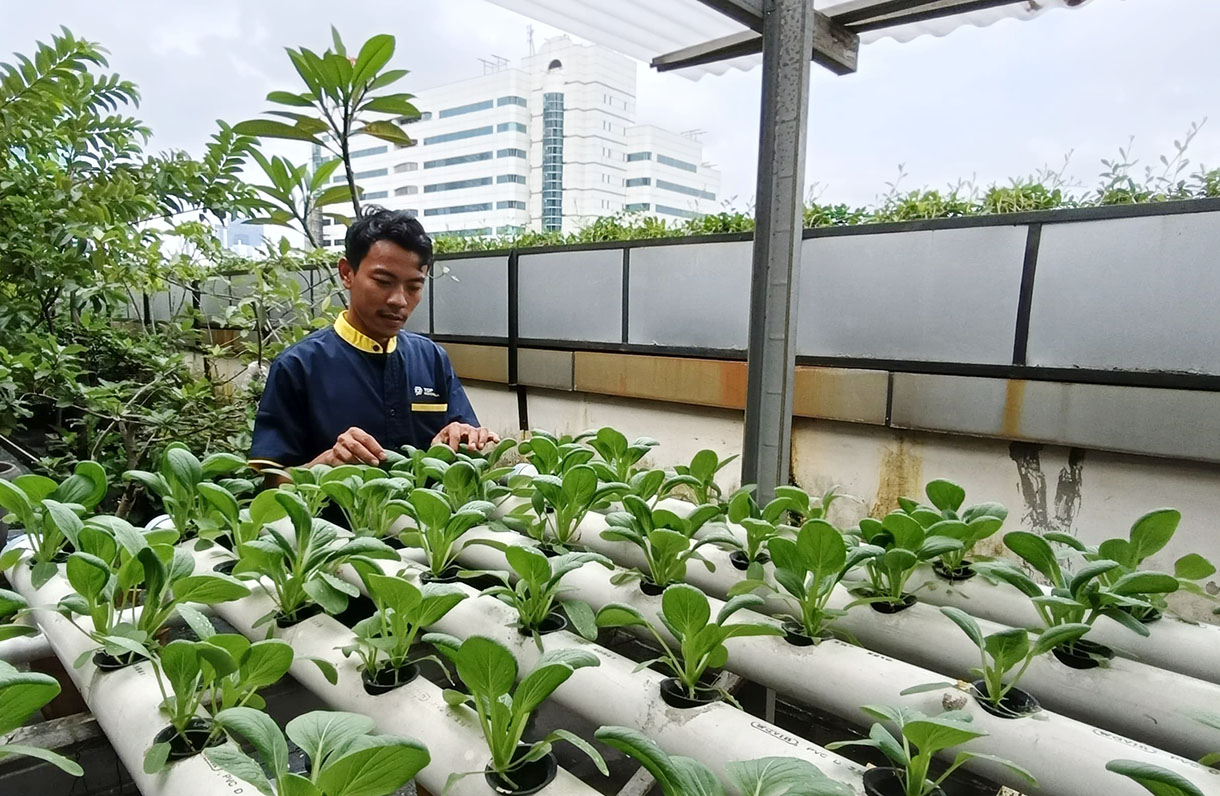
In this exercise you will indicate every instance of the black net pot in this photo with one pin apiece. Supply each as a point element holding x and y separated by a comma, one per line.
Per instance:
<point>386,679</point>
<point>794,634</point>
<point>553,623</point>
<point>106,662</point>
<point>193,740</point>
<point>1082,654</point>
<point>676,696</point>
<point>888,782</point>
<point>740,561</point>
<point>525,779</point>
<point>448,575</point>
<point>300,615</point>
<point>225,567</point>
<point>957,575</point>
<point>886,607</point>
<point>1016,704</point>
<point>650,588</point>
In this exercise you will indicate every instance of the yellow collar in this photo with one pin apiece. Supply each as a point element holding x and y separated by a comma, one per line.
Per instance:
<point>353,336</point>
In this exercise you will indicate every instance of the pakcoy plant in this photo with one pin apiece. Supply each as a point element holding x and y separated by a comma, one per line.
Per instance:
<point>667,541</point>
<point>651,485</point>
<point>906,545</point>
<point>489,672</point>
<point>919,739</point>
<point>217,672</point>
<point>700,475</point>
<point>552,455</point>
<point>470,478</point>
<point>439,528</point>
<point>1004,658</point>
<point>538,591</point>
<point>345,758</point>
<point>176,482</point>
<point>370,499</point>
<point>307,483</point>
<point>49,513</point>
<point>386,640</point>
<point>302,571</point>
<point>685,776</point>
<point>806,571</point>
<point>618,458</point>
<point>21,695</point>
<point>233,524</point>
<point>946,517</point>
<point>699,641</point>
<point>560,503</point>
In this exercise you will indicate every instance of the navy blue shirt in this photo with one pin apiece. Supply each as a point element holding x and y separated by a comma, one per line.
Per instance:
<point>337,378</point>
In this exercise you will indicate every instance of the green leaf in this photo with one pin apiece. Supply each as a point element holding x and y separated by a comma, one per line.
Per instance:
<point>529,564</point>
<point>261,731</point>
<point>200,624</point>
<point>88,575</point>
<point>486,666</point>
<point>686,608</point>
<point>374,766</point>
<point>156,757</point>
<point>236,762</point>
<point>22,693</point>
<point>46,755</point>
<point>1193,566</point>
<point>321,733</point>
<point>375,53</point>
<point>1152,532</point>
<point>265,663</point>
<point>782,776</point>
<point>210,589</point>
<point>1059,635</point>
<point>1011,766</point>
<point>182,466</point>
<point>288,98</point>
<point>327,669</point>
<point>619,615</point>
<point>397,104</point>
<point>966,622</point>
<point>644,751</point>
<point>581,615</point>
<point>821,548</point>
<point>582,745</point>
<point>387,131</point>
<point>1036,552</point>
<point>1007,648</point>
<point>945,495</point>
<point>931,735</point>
<point>268,128</point>
<point>1145,583</point>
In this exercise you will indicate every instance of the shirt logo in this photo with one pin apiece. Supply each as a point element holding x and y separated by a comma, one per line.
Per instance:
<point>427,392</point>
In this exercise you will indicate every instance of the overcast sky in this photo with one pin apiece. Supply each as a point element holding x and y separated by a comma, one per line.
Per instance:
<point>984,104</point>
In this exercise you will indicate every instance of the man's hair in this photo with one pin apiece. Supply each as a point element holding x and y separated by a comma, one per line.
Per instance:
<point>377,223</point>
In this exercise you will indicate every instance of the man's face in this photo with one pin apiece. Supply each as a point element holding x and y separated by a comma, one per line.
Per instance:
<point>385,289</point>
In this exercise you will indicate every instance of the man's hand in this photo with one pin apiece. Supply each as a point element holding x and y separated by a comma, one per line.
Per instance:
<point>456,433</point>
<point>354,446</point>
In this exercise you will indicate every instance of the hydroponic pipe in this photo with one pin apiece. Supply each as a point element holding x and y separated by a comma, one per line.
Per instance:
<point>417,709</point>
<point>613,693</point>
<point>24,649</point>
<point>1172,643</point>
<point>125,702</point>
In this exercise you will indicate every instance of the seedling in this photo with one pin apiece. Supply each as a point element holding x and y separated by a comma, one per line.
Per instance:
<point>553,455</point>
<point>307,483</point>
<point>1154,779</point>
<point>235,525</point>
<point>685,776</point>
<point>539,587</point>
<point>562,502</point>
<point>807,570</point>
<point>177,482</point>
<point>618,456</point>
<point>21,695</point>
<point>687,615</point>
<point>920,737</point>
<point>666,540</point>
<point>906,545</point>
<point>345,758</point>
<point>439,528</point>
<point>700,475</point>
<point>946,517</point>
<point>370,501</point>
<point>652,485</point>
<point>50,513</point>
<point>489,672</point>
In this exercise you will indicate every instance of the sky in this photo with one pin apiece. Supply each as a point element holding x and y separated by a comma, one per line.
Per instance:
<point>982,104</point>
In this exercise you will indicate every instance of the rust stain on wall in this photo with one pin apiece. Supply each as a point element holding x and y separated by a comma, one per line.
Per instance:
<point>901,475</point>
<point>1014,401</point>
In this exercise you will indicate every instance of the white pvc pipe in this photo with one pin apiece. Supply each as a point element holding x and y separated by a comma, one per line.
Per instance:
<point>24,649</point>
<point>452,735</point>
<point>613,693</point>
<point>840,677</point>
<point>125,702</point>
<point>1173,643</point>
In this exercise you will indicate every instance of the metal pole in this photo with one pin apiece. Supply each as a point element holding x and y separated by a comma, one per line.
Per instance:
<point>787,43</point>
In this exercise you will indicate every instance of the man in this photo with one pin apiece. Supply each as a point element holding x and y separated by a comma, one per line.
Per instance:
<point>348,393</point>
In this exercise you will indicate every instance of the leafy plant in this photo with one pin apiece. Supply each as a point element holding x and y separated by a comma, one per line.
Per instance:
<point>489,672</point>
<point>666,540</point>
<point>807,569</point>
<point>1154,779</point>
<point>345,759</point>
<point>906,545</point>
<point>649,485</point>
<point>539,586</point>
<point>234,523</point>
<point>618,456</point>
<point>177,482</point>
<point>217,672</point>
<point>701,473</point>
<point>295,193</point>
<point>302,572</point>
<point>439,527</point>
<point>687,615</point>
<point>1006,654</point>
<point>21,694</point>
<point>307,483</point>
<point>370,501</point>
<point>50,512</point>
<point>553,455</point>
<point>384,640</point>
<point>921,737</point>
<point>471,478</point>
<point>946,517</point>
<point>685,776</point>
<point>561,503</point>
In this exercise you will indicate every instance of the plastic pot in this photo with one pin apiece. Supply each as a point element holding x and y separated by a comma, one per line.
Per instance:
<point>387,679</point>
<point>888,782</point>
<point>794,634</point>
<point>742,562</point>
<point>676,696</point>
<point>964,572</point>
<point>1016,704</point>
<point>225,567</point>
<point>892,608</point>
<point>192,741</point>
<point>112,663</point>
<point>1083,654</point>
<point>526,779</point>
<point>300,615</point>
<point>553,623</point>
<point>650,588</point>
<point>449,575</point>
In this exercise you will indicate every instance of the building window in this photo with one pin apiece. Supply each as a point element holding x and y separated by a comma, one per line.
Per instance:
<point>673,211</point>
<point>364,175</point>
<point>636,181</point>
<point>373,150</point>
<point>514,127</point>
<point>401,167</point>
<point>552,161</point>
<point>456,209</point>
<point>682,189</point>
<point>637,207</point>
<point>471,108</point>
<point>634,156</point>
<point>665,160</point>
<point>511,101</point>
<point>519,178</point>
<point>510,153</point>
<point>510,205</point>
<point>375,195</point>
<point>459,135</point>
<point>457,159</point>
<point>457,185</point>
<point>406,190</point>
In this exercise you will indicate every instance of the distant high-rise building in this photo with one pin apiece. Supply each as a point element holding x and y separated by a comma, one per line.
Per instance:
<point>550,145</point>
<point>240,237</point>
